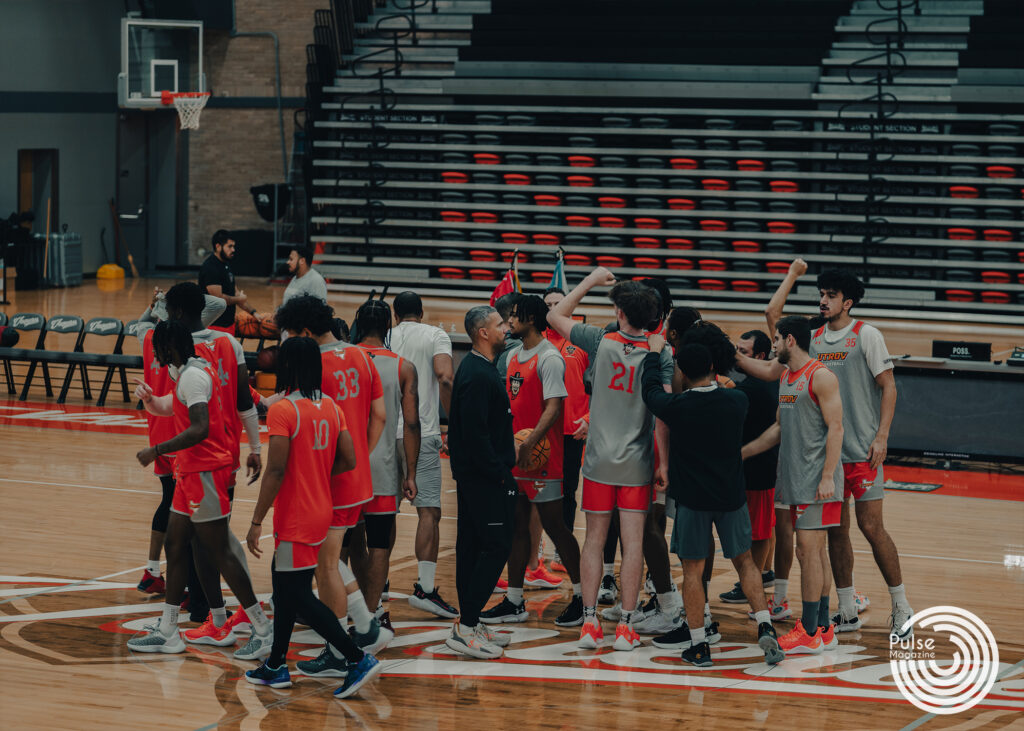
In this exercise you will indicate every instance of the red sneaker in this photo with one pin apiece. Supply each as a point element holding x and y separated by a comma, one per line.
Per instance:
<point>829,641</point>
<point>626,638</point>
<point>208,634</point>
<point>541,578</point>
<point>559,566</point>
<point>591,634</point>
<point>239,622</point>
<point>798,642</point>
<point>501,587</point>
<point>151,584</point>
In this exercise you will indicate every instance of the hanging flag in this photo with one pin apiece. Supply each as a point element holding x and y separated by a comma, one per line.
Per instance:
<point>505,286</point>
<point>558,278</point>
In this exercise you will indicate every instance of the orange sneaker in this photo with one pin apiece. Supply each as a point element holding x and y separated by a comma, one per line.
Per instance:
<point>541,578</point>
<point>500,587</point>
<point>798,642</point>
<point>557,565</point>
<point>829,641</point>
<point>239,622</point>
<point>591,634</point>
<point>626,637</point>
<point>208,634</point>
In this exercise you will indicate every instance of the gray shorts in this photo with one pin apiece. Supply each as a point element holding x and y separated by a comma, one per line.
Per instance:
<point>540,491</point>
<point>691,532</point>
<point>428,472</point>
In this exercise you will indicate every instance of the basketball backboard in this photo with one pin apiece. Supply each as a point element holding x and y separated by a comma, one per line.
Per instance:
<point>157,56</point>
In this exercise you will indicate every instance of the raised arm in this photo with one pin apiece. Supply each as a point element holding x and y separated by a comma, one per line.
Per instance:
<point>765,370</point>
<point>560,316</point>
<point>773,312</point>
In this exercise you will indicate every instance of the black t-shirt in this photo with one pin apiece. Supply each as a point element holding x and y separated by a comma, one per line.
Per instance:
<point>215,271</point>
<point>480,440</point>
<point>759,470</point>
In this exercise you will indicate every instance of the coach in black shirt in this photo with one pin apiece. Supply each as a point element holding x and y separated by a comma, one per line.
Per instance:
<point>217,279</point>
<point>482,455</point>
<point>705,470</point>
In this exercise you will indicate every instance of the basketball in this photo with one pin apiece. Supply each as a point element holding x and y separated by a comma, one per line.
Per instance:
<point>266,327</point>
<point>266,359</point>
<point>246,326</point>
<point>541,449</point>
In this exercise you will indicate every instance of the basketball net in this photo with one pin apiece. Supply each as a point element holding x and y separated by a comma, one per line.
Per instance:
<point>189,105</point>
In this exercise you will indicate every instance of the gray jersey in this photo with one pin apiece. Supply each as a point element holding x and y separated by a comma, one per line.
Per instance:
<point>804,435</point>
<point>384,468</point>
<point>861,394</point>
<point>620,445</point>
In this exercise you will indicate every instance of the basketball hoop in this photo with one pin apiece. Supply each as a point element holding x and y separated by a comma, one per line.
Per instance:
<point>189,105</point>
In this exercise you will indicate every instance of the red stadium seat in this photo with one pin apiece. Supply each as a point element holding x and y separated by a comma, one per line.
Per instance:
<point>484,217</point>
<point>609,201</point>
<point>646,242</point>
<point>1000,171</point>
<point>541,277</point>
<point>454,216</point>
<point>646,262</point>
<point>997,234</point>
<point>783,186</point>
<point>607,260</point>
<point>750,166</point>
<point>647,222</point>
<point>580,181</point>
<point>712,265</point>
<point>583,221</point>
<point>516,179</point>
<point>714,184</point>
<point>713,224</point>
<point>747,247</point>
<point>545,199</point>
<point>483,255</point>
<point>959,295</point>
<point>578,260</point>
<point>581,161</point>
<point>777,267</point>
<point>546,239</point>
<point>611,222</point>
<point>961,234</point>
<point>996,298</point>
<point>675,263</point>
<point>745,285</point>
<point>714,285</point>
<point>452,273</point>
<point>681,204</point>
<point>683,163</point>
<point>781,227</point>
<point>963,191</point>
<point>513,238</point>
<point>486,158</point>
<point>482,274</point>
<point>678,243</point>
<point>454,177</point>
<point>996,277</point>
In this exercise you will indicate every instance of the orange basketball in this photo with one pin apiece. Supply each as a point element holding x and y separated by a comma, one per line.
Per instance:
<point>267,327</point>
<point>541,450</point>
<point>246,325</point>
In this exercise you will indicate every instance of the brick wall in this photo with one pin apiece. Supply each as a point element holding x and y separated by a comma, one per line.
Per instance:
<point>235,149</point>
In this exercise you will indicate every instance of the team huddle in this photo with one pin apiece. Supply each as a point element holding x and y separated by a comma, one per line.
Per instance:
<point>659,413</point>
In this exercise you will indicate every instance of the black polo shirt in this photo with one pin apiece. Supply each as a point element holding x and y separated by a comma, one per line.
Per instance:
<point>215,271</point>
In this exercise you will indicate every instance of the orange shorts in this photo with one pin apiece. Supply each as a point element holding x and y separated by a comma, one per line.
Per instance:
<point>203,496</point>
<point>350,517</point>
<point>291,556</point>
<point>601,498</point>
<point>761,504</point>
<point>381,505</point>
<point>862,482</point>
<point>816,516</point>
<point>164,465</point>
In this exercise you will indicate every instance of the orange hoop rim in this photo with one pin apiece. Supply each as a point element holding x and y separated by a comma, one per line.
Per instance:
<point>167,97</point>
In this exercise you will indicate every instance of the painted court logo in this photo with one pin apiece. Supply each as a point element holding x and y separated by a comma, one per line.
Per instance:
<point>952,685</point>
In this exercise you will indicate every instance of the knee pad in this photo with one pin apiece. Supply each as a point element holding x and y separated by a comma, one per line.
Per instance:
<point>378,530</point>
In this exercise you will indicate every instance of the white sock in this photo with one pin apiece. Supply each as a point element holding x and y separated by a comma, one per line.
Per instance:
<point>219,616</point>
<point>609,569</point>
<point>577,589</point>
<point>427,569</point>
<point>696,635</point>
<point>153,567</point>
<point>515,595</point>
<point>343,621</point>
<point>465,629</point>
<point>781,586</point>
<point>847,606</point>
<point>361,616</point>
<point>626,618</point>
<point>763,616</point>
<point>259,621</point>
<point>899,598</point>
<point>347,577</point>
<point>557,558</point>
<point>667,602</point>
<point>707,610</point>
<point>169,620</point>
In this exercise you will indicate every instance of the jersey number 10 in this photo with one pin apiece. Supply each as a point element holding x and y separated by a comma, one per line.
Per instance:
<point>618,375</point>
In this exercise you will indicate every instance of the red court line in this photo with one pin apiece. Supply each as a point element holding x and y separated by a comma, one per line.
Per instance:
<point>989,485</point>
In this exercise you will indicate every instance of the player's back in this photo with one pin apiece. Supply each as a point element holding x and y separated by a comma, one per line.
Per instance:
<point>224,353</point>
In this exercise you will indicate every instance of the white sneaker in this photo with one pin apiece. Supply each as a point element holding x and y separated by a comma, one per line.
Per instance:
<point>845,624</point>
<point>154,641</point>
<point>472,645</point>
<point>612,614</point>
<point>498,639</point>
<point>609,590</point>
<point>897,619</point>
<point>257,648</point>
<point>658,623</point>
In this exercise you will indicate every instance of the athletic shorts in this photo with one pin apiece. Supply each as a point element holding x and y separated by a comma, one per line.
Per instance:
<point>540,491</point>
<point>601,498</point>
<point>816,516</point>
<point>163,466</point>
<point>761,504</point>
<point>202,496</point>
<point>349,517</point>
<point>862,482</point>
<point>691,532</point>
<point>428,473</point>
<point>381,505</point>
<point>291,556</point>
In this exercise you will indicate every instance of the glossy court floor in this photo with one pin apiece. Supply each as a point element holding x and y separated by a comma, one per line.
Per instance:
<point>75,510</point>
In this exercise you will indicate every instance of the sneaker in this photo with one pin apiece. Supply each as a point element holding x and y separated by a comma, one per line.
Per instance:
<point>150,584</point>
<point>768,641</point>
<point>239,622</point>
<point>698,655</point>
<point>612,614</point>
<point>501,587</point>
<point>798,642</point>
<point>209,634</point>
<point>677,639</point>
<point>897,619</point>
<point>845,624</point>
<point>541,578</point>
<point>505,611</point>
<point>626,637</point>
<point>735,595</point>
<point>324,665</point>
<point>557,565</point>
<point>658,623</point>
<point>256,648</point>
<point>572,615</point>
<point>609,590</point>
<point>649,585</point>
<point>828,637</point>
<point>385,596</point>
<point>473,644</point>
<point>768,579</point>
<point>498,639</point>
<point>274,677</point>
<point>154,641</point>
<point>385,622</point>
<point>591,635</point>
<point>861,602</point>
<point>711,634</point>
<point>432,603</point>
<point>374,639</point>
<point>647,609</point>
<point>359,674</point>
<point>778,611</point>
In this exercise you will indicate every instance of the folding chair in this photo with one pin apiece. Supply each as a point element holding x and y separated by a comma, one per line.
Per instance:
<point>27,322</point>
<point>110,327</point>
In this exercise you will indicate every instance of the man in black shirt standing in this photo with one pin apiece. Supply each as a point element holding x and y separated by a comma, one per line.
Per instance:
<point>217,279</point>
<point>482,454</point>
<point>705,478</point>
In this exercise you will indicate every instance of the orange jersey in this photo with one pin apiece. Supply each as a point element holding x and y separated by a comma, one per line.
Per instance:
<point>526,396</point>
<point>161,428</point>
<point>219,352</point>
<point>302,508</point>
<point>577,404</point>
<point>214,452</point>
<point>351,379</point>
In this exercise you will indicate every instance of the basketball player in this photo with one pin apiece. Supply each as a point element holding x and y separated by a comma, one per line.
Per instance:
<point>809,430</point>
<point>309,442</point>
<point>619,462</point>
<point>394,474</point>
<point>351,380</point>
<point>201,506</point>
<point>429,349</point>
<point>536,389</point>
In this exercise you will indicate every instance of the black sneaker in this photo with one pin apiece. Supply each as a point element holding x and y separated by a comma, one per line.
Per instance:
<point>609,590</point>
<point>573,614</point>
<point>735,595</point>
<point>699,655</point>
<point>505,611</point>
<point>768,641</point>
<point>648,609</point>
<point>677,639</point>
<point>711,633</point>
<point>768,579</point>
<point>432,603</point>
<point>324,665</point>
